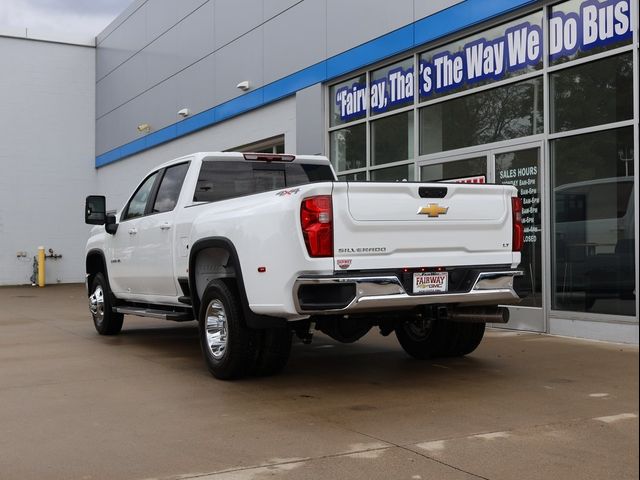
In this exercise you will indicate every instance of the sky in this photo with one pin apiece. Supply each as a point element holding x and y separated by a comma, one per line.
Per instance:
<point>77,17</point>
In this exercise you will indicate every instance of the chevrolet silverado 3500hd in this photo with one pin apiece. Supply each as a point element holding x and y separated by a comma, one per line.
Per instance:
<point>257,247</point>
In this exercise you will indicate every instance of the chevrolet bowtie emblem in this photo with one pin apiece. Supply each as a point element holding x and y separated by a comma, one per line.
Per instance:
<point>433,210</point>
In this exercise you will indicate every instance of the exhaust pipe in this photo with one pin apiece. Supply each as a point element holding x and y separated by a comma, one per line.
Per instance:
<point>479,315</point>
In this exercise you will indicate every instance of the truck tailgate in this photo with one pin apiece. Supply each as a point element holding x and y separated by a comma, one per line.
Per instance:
<point>411,225</point>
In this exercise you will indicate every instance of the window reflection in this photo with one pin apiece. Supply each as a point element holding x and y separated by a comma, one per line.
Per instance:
<point>593,228</point>
<point>593,94</point>
<point>502,113</point>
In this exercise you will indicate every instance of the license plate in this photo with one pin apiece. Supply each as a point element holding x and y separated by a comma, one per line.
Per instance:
<point>429,282</point>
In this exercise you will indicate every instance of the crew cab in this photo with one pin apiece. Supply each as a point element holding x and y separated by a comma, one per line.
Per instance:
<point>259,247</point>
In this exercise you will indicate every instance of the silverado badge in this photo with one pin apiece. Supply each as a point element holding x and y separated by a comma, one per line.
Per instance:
<point>433,210</point>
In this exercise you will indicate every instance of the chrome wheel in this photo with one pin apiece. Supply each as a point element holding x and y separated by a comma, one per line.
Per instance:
<point>96,304</point>
<point>216,328</point>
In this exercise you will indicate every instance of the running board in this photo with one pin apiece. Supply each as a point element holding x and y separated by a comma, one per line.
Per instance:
<point>155,313</point>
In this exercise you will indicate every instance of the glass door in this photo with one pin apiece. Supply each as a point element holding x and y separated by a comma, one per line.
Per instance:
<point>519,166</point>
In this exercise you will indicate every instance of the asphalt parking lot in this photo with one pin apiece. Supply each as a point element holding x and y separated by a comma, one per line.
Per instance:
<point>141,405</point>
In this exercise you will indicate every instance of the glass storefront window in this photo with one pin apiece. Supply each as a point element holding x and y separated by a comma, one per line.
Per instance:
<point>392,138</point>
<point>401,173</point>
<point>473,105</point>
<point>580,28</point>
<point>348,147</point>
<point>593,93</point>
<point>392,87</point>
<point>469,170</point>
<point>593,227</point>
<point>499,53</point>
<point>353,177</point>
<point>502,113</point>
<point>348,101</point>
<point>521,169</point>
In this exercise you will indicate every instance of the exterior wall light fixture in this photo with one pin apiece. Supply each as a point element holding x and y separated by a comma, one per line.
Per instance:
<point>244,85</point>
<point>144,128</point>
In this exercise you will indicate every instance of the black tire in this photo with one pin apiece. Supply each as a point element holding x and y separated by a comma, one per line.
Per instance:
<point>462,338</point>
<point>274,351</point>
<point>105,320</point>
<point>422,339</point>
<point>234,343</point>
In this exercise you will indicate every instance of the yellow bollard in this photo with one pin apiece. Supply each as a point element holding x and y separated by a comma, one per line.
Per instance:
<point>41,266</point>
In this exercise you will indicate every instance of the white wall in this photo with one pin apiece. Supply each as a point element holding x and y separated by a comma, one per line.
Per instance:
<point>47,153</point>
<point>118,180</point>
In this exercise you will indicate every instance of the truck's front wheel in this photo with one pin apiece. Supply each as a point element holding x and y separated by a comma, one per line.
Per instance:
<point>105,320</point>
<point>228,345</point>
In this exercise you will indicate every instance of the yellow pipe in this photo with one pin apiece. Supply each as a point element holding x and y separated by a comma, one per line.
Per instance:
<point>41,266</point>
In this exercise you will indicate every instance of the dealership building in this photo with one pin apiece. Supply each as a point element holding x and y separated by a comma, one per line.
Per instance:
<point>543,95</point>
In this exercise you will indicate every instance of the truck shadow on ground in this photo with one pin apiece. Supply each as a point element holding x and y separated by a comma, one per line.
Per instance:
<point>373,359</point>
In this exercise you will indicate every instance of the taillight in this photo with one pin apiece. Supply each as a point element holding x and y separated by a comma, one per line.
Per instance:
<point>518,230</point>
<point>316,219</point>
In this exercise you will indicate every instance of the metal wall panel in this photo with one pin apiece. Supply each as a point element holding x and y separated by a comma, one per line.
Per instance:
<point>233,18</point>
<point>310,121</point>
<point>424,9</point>
<point>130,115</point>
<point>121,85</point>
<point>161,58</point>
<point>108,132</point>
<point>274,7</point>
<point>195,36</point>
<point>187,42</point>
<point>357,21</point>
<point>164,14</point>
<point>47,96</point>
<point>119,20</point>
<point>295,39</point>
<point>159,104</point>
<point>123,42</point>
<point>236,62</point>
<point>195,86</point>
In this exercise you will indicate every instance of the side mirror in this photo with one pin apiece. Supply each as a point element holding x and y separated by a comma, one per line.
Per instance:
<point>95,210</point>
<point>111,226</point>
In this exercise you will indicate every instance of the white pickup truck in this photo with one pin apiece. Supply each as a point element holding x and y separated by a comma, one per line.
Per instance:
<point>257,247</point>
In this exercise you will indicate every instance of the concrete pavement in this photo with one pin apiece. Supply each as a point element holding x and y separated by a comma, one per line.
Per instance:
<point>74,405</point>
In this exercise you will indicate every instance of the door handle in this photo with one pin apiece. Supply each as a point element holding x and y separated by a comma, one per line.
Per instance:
<point>165,226</point>
<point>133,231</point>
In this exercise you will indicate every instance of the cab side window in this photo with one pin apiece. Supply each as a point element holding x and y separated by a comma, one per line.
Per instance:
<point>138,203</point>
<point>170,187</point>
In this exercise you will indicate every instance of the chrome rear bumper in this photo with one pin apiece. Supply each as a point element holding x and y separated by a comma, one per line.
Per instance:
<point>387,292</point>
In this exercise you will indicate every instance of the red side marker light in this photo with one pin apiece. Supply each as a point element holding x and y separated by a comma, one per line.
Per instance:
<point>517,240</point>
<point>262,269</point>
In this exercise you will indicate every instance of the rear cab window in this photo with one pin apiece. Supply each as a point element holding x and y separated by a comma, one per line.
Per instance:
<point>222,180</point>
